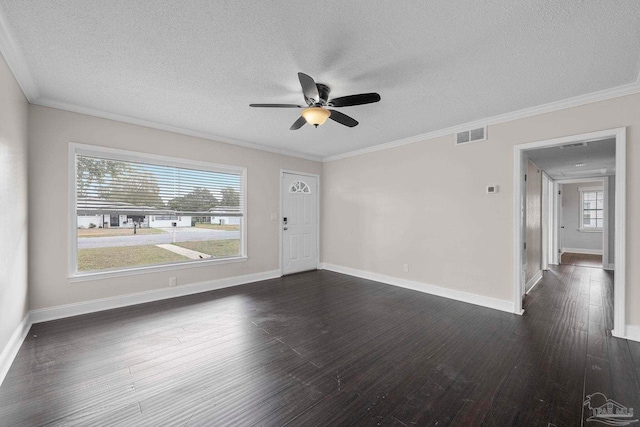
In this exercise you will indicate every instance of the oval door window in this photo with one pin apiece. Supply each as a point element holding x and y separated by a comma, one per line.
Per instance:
<point>299,187</point>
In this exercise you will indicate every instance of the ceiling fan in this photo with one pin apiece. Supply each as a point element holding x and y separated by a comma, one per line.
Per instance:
<point>316,95</point>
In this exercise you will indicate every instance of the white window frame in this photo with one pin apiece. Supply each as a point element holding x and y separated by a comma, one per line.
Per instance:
<point>581,226</point>
<point>132,156</point>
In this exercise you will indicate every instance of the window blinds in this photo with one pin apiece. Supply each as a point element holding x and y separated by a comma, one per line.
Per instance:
<point>115,186</point>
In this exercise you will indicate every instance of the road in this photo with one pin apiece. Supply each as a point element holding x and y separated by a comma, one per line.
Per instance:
<point>186,234</point>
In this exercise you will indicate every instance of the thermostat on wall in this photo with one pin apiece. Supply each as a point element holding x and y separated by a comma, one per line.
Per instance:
<point>491,189</point>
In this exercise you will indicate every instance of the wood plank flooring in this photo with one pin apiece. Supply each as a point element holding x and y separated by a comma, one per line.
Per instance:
<point>583,260</point>
<point>322,348</point>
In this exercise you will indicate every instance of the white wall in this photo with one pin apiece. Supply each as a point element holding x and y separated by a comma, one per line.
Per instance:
<point>86,221</point>
<point>51,130</point>
<point>574,240</point>
<point>425,204</point>
<point>180,221</point>
<point>13,207</point>
<point>225,220</point>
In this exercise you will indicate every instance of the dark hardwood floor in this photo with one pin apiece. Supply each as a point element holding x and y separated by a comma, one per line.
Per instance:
<point>321,348</point>
<point>582,260</point>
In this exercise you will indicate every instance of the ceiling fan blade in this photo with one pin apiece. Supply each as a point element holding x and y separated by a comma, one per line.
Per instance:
<point>309,88</point>
<point>298,123</point>
<point>277,105</point>
<point>343,119</point>
<point>347,101</point>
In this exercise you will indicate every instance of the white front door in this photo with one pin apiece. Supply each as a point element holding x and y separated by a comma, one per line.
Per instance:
<point>299,223</point>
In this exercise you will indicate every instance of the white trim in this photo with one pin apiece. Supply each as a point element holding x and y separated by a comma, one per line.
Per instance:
<point>18,65</point>
<point>605,222</point>
<point>76,148</point>
<point>537,278</point>
<point>632,333</point>
<point>488,302</point>
<point>603,95</point>
<point>545,221</point>
<point>16,61</point>
<point>518,229</point>
<point>620,229</point>
<point>582,251</point>
<point>167,128</point>
<point>9,353</point>
<point>581,209</point>
<point>318,199</point>
<point>10,350</point>
<point>580,180</point>
<point>555,229</point>
<point>598,188</point>
<point>85,307</point>
<point>620,251</point>
<point>610,266</point>
<point>156,159</point>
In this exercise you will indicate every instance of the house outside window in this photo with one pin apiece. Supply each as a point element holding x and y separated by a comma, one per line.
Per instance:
<point>133,211</point>
<point>591,208</point>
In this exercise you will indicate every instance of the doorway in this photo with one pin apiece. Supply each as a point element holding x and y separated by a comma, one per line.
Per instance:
<point>586,221</point>
<point>299,222</point>
<point>618,137</point>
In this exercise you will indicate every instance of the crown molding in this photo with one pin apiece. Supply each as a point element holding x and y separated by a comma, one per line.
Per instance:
<point>16,62</point>
<point>603,95</point>
<point>18,66</point>
<point>43,102</point>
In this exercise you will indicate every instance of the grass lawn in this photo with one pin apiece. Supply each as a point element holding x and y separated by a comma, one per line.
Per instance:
<point>217,226</point>
<point>110,232</point>
<point>124,256</point>
<point>217,248</point>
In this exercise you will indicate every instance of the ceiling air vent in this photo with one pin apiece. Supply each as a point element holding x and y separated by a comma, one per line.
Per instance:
<point>574,145</point>
<point>472,135</point>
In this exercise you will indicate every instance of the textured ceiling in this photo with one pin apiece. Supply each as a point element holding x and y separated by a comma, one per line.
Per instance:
<point>597,158</point>
<point>197,65</point>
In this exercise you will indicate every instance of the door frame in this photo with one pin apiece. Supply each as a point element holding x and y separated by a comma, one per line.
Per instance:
<point>605,226</point>
<point>619,283</point>
<point>545,221</point>
<point>279,220</point>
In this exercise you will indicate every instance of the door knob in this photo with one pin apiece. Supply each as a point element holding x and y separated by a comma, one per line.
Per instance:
<point>285,229</point>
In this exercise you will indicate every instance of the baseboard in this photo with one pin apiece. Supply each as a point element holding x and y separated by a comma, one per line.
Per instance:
<point>13,346</point>
<point>533,281</point>
<point>632,333</point>
<point>69,310</point>
<point>494,303</point>
<point>582,251</point>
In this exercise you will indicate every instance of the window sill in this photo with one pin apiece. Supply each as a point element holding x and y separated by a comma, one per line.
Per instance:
<point>590,230</point>
<point>87,277</point>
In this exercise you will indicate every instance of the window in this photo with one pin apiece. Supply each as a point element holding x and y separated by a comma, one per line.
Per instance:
<point>133,211</point>
<point>299,187</point>
<point>165,217</point>
<point>592,209</point>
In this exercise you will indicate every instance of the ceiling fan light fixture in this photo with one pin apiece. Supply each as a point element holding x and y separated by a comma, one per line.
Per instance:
<point>315,115</point>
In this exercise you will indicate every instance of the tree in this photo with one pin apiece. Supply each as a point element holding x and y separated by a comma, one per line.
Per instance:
<point>199,200</point>
<point>141,191</point>
<point>92,174</point>
<point>230,197</point>
<point>117,181</point>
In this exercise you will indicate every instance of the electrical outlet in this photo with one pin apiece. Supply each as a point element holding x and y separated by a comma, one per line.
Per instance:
<point>173,281</point>
<point>405,268</point>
